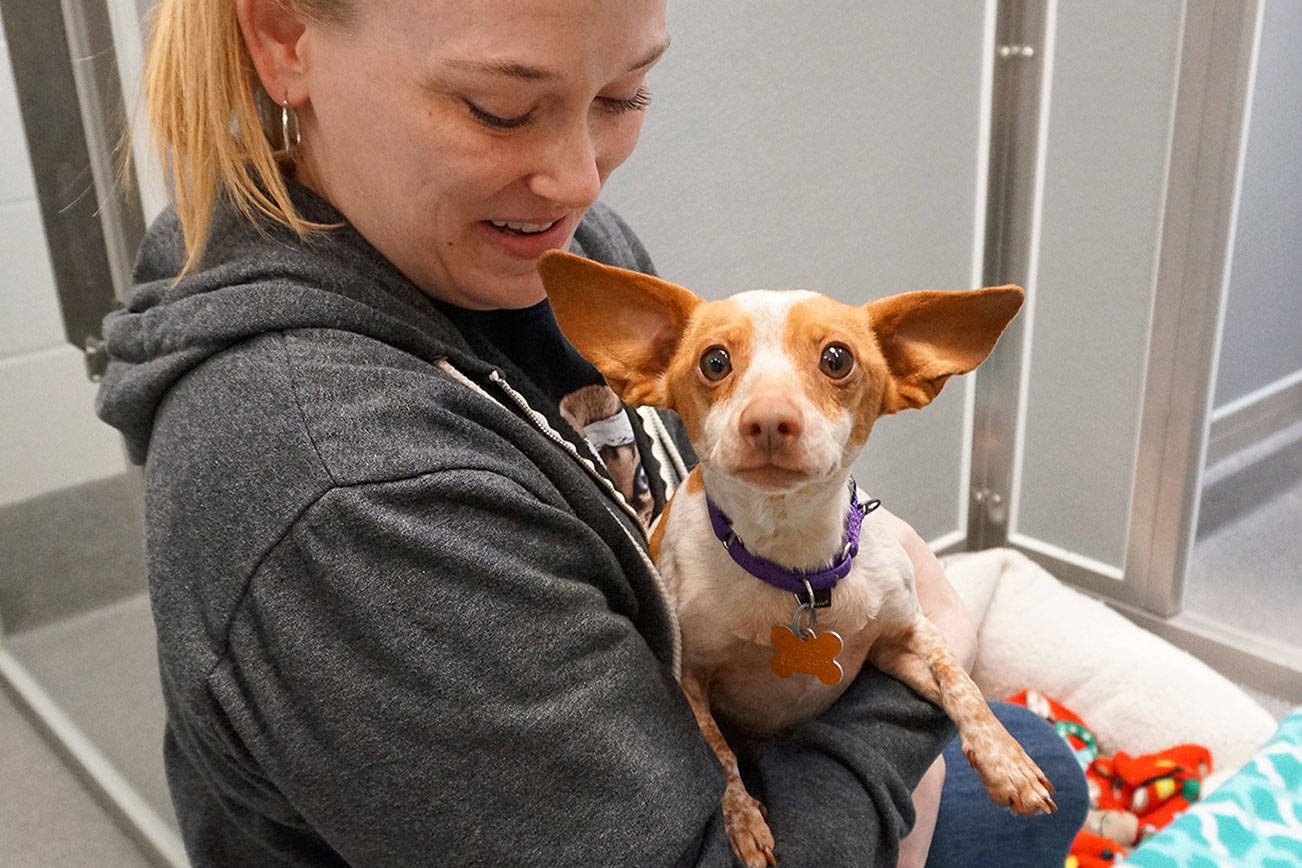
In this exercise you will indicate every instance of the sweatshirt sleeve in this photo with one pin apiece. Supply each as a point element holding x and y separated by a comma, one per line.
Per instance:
<point>839,789</point>
<point>444,668</point>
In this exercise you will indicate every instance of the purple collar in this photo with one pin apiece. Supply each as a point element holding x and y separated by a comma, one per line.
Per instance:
<point>781,577</point>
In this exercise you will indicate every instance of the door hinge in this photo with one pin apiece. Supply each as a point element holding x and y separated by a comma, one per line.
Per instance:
<point>96,358</point>
<point>996,509</point>
<point>1016,52</point>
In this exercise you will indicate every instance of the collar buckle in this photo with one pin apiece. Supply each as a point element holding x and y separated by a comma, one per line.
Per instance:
<point>801,583</point>
<point>815,598</point>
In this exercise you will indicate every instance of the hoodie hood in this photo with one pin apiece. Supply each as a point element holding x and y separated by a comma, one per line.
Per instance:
<point>255,279</point>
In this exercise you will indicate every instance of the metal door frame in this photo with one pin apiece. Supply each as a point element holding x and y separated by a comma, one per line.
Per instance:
<point>70,98</point>
<point>1208,134</point>
<point>1217,68</point>
<point>1015,143</point>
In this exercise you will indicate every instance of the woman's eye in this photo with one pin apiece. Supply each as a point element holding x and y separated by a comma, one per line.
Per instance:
<point>715,364</point>
<point>836,361</point>
<point>496,122</point>
<point>636,103</point>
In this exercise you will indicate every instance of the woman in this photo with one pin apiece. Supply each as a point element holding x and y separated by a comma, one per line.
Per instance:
<point>404,616</point>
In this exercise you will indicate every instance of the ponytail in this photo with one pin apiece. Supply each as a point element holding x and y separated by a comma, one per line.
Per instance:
<point>203,99</point>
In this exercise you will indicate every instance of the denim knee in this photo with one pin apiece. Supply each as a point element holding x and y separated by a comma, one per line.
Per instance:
<point>1054,757</point>
<point>973,832</point>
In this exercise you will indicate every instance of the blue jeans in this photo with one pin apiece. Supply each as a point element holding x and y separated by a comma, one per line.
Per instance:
<point>974,832</point>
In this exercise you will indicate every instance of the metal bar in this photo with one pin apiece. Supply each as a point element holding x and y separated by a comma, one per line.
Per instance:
<point>1015,112</point>
<point>1211,104</point>
<point>99,91</point>
<point>71,104</point>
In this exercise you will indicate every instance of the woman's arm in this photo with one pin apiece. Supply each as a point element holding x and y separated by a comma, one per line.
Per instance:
<point>446,668</point>
<point>940,602</point>
<point>942,605</point>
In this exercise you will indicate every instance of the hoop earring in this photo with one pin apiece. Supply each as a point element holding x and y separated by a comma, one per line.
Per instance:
<point>288,120</point>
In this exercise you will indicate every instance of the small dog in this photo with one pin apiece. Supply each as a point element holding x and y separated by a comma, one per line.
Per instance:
<point>778,391</point>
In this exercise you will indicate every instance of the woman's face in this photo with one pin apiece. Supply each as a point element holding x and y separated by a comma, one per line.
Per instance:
<point>464,137</point>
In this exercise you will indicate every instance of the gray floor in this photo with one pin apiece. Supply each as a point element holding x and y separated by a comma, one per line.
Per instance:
<point>100,669</point>
<point>75,615</point>
<point>1246,568</point>
<point>70,551</point>
<point>46,817</point>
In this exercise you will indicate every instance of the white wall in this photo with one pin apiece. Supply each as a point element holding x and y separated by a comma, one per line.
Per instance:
<point>835,147</point>
<point>129,19</point>
<point>49,436</point>
<point>1261,339</point>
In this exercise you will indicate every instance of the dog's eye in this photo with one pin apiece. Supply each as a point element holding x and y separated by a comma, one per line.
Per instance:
<point>836,361</point>
<point>715,364</point>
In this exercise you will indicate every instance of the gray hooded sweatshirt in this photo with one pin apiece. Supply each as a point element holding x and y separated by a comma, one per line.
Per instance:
<point>403,618</point>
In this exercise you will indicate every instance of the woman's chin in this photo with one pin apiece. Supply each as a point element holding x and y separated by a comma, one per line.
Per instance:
<point>489,286</point>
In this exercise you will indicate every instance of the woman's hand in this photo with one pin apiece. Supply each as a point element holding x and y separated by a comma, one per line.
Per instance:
<point>939,601</point>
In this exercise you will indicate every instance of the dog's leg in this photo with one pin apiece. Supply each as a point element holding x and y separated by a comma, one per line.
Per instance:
<point>896,657</point>
<point>919,657</point>
<point>743,815</point>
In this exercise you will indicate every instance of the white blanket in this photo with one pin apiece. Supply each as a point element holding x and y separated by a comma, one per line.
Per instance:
<point>1136,691</point>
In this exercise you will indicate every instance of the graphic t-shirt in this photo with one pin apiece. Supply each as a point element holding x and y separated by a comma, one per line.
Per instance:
<point>531,339</point>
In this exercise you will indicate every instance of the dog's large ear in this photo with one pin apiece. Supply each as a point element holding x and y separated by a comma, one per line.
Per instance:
<point>626,323</point>
<point>927,337</point>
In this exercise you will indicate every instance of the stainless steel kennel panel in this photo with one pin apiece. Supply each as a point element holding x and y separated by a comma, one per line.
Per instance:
<point>1098,219</point>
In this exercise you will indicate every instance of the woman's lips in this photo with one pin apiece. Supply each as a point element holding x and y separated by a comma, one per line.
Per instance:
<point>527,245</point>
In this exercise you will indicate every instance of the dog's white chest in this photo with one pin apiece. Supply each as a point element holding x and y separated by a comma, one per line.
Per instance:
<point>727,618</point>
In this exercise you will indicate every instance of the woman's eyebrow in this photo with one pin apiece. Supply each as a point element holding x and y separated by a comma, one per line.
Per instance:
<point>524,72</point>
<point>507,68</point>
<point>651,56</point>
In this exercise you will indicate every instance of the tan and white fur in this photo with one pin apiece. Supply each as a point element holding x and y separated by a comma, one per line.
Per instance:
<point>777,422</point>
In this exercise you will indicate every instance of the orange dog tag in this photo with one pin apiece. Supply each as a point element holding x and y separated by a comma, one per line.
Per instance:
<point>813,656</point>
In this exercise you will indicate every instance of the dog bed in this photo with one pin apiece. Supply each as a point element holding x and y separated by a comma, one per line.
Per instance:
<point>1254,818</point>
<point>1139,693</point>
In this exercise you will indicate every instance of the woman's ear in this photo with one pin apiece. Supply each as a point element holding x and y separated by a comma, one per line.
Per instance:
<point>273,33</point>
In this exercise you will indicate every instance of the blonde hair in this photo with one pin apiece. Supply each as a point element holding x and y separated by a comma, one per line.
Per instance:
<point>203,94</point>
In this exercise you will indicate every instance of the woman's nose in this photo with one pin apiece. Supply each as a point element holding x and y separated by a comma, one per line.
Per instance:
<point>571,177</point>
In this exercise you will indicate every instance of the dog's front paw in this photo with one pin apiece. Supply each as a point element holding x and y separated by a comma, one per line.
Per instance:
<point>743,817</point>
<point>1010,776</point>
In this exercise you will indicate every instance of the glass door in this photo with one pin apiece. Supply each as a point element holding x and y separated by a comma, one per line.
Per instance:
<point>1244,577</point>
<point>1136,200</point>
<point>76,637</point>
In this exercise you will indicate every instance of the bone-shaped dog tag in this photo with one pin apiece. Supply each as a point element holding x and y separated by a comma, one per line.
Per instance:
<point>815,655</point>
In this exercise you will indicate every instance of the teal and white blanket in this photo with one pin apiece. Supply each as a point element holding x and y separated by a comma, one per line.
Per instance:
<point>1253,820</point>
